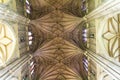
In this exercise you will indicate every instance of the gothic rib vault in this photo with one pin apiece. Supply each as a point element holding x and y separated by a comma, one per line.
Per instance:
<point>56,39</point>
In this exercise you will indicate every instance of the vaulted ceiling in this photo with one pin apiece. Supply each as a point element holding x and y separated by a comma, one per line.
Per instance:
<point>56,26</point>
<point>43,7</point>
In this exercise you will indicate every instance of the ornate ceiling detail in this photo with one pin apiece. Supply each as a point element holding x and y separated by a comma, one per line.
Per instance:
<point>57,20</point>
<point>72,7</point>
<point>43,7</point>
<point>111,36</point>
<point>57,49</point>
<point>7,43</point>
<point>63,72</point>
<point>59,56</point>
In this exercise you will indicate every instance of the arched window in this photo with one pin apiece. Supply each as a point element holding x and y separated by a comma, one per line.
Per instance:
<point>28,7</point>
<point>30,37</point>
<point>85,63</point>
<point>84,35</point>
